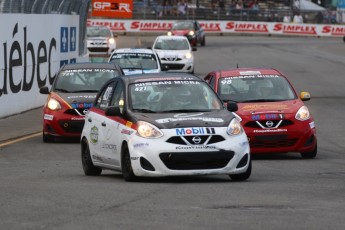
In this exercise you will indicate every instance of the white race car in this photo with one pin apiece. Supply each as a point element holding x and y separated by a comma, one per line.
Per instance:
<point>100,41</point>
<point>165,124</point>
<point>175,52</point>
<point>137,61</point>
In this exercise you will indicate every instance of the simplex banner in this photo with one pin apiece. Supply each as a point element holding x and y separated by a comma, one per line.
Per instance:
<point>241,27</point>
<point>31,52</point>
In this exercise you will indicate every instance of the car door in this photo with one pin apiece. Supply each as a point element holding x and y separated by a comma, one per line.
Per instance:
<point>95,121</point>
<point>112,128</point>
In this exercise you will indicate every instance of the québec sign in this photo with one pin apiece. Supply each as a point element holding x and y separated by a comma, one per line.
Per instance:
<point>31,54</point>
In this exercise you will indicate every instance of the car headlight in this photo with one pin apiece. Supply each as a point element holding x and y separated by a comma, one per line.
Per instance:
<point>303,114</point>
<point>191,33</point>
<point>169,33</point>
<point>148,130</point>
<point>53,104</point>
<point>188,55</point>
<point>234,127</point>
<point>111,40</point>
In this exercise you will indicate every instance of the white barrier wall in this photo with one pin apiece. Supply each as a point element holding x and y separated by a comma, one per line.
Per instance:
<point>225,27</point>
<point>32,49</point>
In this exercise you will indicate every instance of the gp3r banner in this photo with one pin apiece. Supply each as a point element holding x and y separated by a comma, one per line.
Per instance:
<point>112,8</point>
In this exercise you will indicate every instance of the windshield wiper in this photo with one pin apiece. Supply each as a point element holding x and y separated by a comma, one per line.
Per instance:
<point>263,100</point>
<point>185,110</point>
<point>228,100</point>
<point>143,111</point>
<point>61,90</point>
<point>85,91</point>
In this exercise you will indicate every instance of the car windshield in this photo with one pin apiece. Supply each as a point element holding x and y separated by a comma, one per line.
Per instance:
<point>135,60</point>
<point>172,44</point>
<point>98,32</point>
<point>83,80</point>
<point>173,96</point>
<point>255,88</point>
<point>183,26</point>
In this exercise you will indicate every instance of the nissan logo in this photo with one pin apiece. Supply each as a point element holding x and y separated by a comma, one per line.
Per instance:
<point>269,124</point>
<point>196,140</point>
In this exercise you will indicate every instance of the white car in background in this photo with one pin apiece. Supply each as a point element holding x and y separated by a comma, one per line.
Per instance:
<point>137,61</point>
<point>100,41</point>
<point>175,52</point>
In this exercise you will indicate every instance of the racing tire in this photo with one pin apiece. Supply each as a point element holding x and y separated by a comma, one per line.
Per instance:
<point>88,166</point>
<point>243,176</point>
<point>126,166</point>
<point>344,38</point>
<point>310,155</point>
<point>48,138</point>
<point>203,43</point>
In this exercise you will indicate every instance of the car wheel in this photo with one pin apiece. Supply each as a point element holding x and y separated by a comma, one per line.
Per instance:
<point>203,42</point>
<point>48,138</point>
<point>88,166</point>
<point>126,166</point>
<point>242,176</point>
<point>311,154</point>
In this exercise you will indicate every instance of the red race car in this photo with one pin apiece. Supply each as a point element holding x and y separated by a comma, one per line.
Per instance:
<point>72,95</point>
<point>274,117</point>
<point>190,29</point>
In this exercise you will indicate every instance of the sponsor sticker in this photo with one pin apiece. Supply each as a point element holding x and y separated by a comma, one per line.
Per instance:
<point>194,131</point>
<point>312,125</point>
<point>94,135</point>
<point>207,119</point>
<point>126,131</point>
<point>269,130</point>
<point>140,145</point>
<point>48,117</point>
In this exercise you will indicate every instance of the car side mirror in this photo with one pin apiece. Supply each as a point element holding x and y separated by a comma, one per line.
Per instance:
<point>232,106</point>
<point>194,49</point>
<point>164,67</point>
<point>44,90</point>
<point>113,111</point>
<point>305,96</point>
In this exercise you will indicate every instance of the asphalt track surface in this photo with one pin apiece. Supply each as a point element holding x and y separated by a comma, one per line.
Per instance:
<point>43,185</point>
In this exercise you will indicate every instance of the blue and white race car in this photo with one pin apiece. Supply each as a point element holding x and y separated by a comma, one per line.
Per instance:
<point>156,125</point>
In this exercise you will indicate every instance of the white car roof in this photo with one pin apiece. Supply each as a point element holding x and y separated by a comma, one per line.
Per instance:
<point>174,37</point>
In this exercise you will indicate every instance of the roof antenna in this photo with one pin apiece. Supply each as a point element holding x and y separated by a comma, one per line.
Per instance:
<point>237,65</point>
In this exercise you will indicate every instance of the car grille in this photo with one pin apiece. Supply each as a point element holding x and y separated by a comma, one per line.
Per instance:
<point>76,111</point>
<point>72,126</point>
<point>196,160</point>
<point>185,140</point>
<point>254,124</point>
<point>171,59</point>
<point>175,66</point>
<point>98,49</point>
<point>272,141</point>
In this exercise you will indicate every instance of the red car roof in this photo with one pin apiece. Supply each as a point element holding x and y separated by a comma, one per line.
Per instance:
<point>240,71</point>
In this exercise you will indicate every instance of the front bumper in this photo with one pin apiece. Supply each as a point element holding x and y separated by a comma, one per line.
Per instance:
<point>60,124</point>
<point>179,65</point>
<point>157,157</point>
<point>292,139</point>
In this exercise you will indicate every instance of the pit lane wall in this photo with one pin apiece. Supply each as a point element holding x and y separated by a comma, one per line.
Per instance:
<point>225,27</point>
<point>32,49</point>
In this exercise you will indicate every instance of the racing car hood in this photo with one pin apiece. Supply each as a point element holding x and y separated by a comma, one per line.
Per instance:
<point>220,118</point>
<point>172,53</point>
<point>279,107</point>
<point>78,100</point>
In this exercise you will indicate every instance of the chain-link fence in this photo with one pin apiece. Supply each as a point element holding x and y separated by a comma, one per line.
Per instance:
<point>79,7</point>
